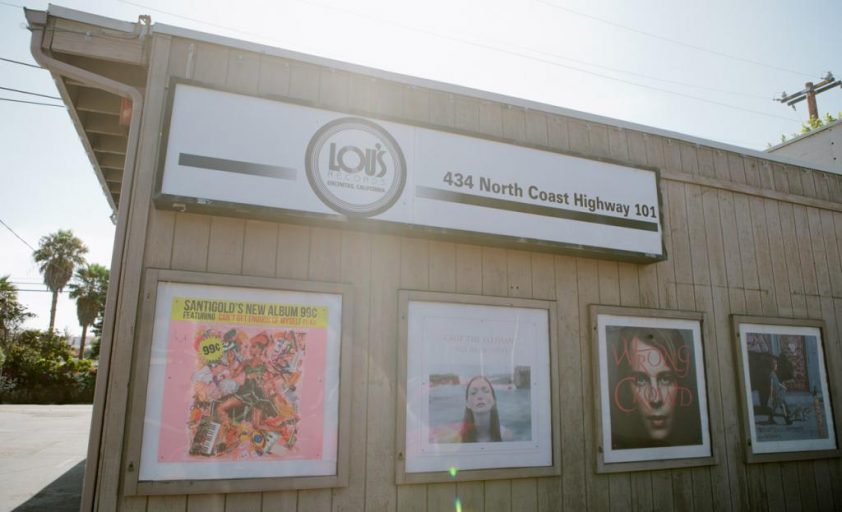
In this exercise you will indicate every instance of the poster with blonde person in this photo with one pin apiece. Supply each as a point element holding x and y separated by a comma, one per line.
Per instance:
<point>652,389</point>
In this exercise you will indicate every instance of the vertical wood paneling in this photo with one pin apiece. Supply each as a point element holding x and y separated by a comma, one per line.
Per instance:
<point>498,496</point>
<point>206,503</point>
<point>416,104</point>
<point>414,275</point>
<point>442,276</point>
<point>260,245</point>
<point>304,82</point>
<point>598,140</point>
<point>519,274</point>
<point>225,250</point>
<point>588,284</point>
<point>543,277</point>
<point>293,254</point>
<point>243,502</point>
<point>159,239</point>
<point>243,72</point>
<point>637,147</point>
<point>412,498</point>
<point>167,503</point>
<point>575,467</point>
<point>133,504</point>
<point>466,114</point>
<point>191,236</point>
<point>274,76</point>
<point>577,132</point>
<point>494,272</point>
<point>279,501</point>
<point>210,63</point>
<point>682,479</point>
<point>382,355</point>
<point>491,118</point>
<point>557,135</point>
<point>441,497</point>
<point>415,264</point>
<point>536,128</point>
<point>468,269</point>
<point>333,92</point>
<point>471,495</point>
<point>514,124</point>
<point>356,270</point>
<point>525,494</point>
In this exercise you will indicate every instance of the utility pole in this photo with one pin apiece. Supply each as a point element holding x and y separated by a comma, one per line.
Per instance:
<point>809,93</point>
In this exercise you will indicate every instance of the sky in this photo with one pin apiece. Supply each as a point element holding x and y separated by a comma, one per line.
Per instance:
<point>706,69</point>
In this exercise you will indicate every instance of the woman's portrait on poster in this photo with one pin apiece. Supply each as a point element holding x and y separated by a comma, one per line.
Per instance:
<point>652,388</point>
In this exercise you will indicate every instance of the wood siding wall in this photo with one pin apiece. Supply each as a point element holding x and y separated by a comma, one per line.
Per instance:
<point>743,235</point>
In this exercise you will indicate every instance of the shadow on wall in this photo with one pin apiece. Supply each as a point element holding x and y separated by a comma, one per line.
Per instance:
<point>64,494</point>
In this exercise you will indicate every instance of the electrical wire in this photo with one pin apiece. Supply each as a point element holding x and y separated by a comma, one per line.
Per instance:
<point>32,102</point>
<point>8,4</point>
<point>673,41</point>
<point>30,93</point>
<point>479,45</point>
<point>21,63</point>
<point>17,235</point>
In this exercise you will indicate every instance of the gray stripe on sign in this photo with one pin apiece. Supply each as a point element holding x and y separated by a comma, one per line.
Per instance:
<point>221,164</point>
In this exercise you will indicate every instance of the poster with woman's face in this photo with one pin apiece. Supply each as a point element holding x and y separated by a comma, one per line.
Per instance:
<point>477,392</point>
<point>652,389</point>
<point>786,391</point>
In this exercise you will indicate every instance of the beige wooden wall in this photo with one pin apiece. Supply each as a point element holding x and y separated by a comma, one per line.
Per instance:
<point>743,237</point>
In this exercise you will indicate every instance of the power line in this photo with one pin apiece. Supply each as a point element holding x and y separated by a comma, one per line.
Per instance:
<point>32,102</point>
<point>480,45</point>
<point>21,63</point>
<point>7,4</point>
<point>548,61</point>
<point>17,235</point>
<point>669,40</point>
<point>30,93</point>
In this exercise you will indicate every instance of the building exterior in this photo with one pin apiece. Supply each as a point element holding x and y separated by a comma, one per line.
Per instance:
<point>820,146</point>
<point>736,260</point>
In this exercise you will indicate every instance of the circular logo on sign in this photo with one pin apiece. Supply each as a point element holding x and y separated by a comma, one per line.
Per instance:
<point>355,167</point>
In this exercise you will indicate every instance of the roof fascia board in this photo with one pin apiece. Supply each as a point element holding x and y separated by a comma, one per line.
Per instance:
<point>91,19</point>
<point>803,136</point>
<point>162,28</point>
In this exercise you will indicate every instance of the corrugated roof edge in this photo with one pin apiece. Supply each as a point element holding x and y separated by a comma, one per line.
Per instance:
<point>160,28</point>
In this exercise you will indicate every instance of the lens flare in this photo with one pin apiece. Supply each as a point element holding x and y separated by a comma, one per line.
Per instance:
<point>457,504</point>
<point>453,470</point>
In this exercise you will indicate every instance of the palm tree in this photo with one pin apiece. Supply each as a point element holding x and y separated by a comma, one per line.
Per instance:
<point>57,255</point>
<point>12,313</point>
<point>89,289</point>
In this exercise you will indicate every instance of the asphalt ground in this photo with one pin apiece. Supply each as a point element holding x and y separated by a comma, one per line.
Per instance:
<point>42,456</point>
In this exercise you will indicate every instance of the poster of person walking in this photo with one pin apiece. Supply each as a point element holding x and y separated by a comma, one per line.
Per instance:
<point>653,400</point>
<point>785,389</point>
<point>242,383</point>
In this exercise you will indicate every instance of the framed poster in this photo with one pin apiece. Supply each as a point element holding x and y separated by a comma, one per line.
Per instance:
<point>784,389</point>
<point>242,385</point>
<point>478,399</point>
<point>651,399</point>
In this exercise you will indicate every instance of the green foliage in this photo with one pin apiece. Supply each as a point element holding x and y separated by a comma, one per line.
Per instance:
<point>94,352</point>
<point>40,368</point>
<point>57,255</point>
<point>89,289</point>
<point>12,312</point>
<point>813,124</point>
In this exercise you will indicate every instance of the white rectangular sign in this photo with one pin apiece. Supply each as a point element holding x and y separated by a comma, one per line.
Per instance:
<point>243,150</point>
